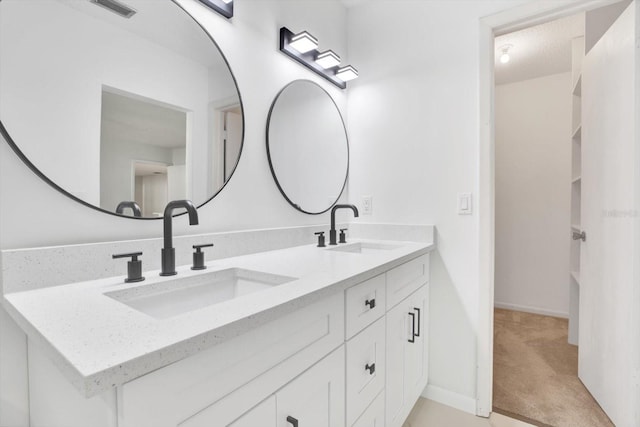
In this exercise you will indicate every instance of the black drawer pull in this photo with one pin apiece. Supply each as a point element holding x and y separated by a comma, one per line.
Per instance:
<point>293,421</point>
<point>418,310</point>
<point>413,328</point>
<point>371,303</point>
<point>371,368</point>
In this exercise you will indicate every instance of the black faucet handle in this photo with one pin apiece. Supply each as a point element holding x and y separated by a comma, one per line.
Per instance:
<point>199,247</point>
<point>134,267</point>
<point>198,256</point>
<point>320,235</point>
<point>343,237</point>
<point>133,255</point>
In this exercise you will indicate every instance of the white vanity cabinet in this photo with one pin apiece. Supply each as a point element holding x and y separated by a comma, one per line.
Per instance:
<point>314,399</point>
<point>219,385</point>
<point>353,358</point>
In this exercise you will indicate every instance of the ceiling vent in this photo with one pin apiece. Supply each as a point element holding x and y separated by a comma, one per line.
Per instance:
<point>116,7</point>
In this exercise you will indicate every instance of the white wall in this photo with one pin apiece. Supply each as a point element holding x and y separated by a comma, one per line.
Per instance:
<point>116,172</point>
<point>103,55</point>
<point>33,214</point>
<point>414,124</point>
<point>533,174</point>
<point>251,198</point>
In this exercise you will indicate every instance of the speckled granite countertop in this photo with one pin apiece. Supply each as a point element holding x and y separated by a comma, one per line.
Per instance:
<point>99,342</point>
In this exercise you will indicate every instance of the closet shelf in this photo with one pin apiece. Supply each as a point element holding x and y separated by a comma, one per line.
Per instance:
<point>577,133</point>
<point>577,87</point>
<point>576,276</point>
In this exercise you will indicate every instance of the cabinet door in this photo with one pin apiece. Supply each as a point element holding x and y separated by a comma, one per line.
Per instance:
<point>407,352</point>
<point>315,398</point>
<point>417,354</point>
<point>263,415</point>
<point>373,416</point>
<point>229,412</point>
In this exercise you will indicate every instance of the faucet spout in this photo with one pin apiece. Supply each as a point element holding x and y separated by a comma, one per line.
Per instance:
<point>168,260</point>
<point>129,204</point>
<point>332,232</point>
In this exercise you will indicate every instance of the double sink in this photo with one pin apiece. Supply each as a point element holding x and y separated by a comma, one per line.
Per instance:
<point>166,299</point>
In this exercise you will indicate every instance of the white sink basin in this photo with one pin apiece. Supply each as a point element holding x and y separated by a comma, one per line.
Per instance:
<point>365,247</point>
<point>181,295</point>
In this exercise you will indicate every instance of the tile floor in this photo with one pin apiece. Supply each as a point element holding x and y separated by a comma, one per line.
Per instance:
<point>428,413</point>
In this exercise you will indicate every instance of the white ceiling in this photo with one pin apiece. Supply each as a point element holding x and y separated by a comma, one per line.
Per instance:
<point>538,51</point>
<point>351,3</point>
<point>163,23</point>
<point>143,121</point>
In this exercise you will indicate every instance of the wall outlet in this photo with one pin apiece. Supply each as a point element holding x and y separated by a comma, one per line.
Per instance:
<point>367,205</point>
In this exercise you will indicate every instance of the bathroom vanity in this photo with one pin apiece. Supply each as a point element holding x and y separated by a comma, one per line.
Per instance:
<point>303,336</point>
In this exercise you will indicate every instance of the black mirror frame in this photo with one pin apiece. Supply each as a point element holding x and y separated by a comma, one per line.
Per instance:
<point>273,173</point>
<point>46,179</point>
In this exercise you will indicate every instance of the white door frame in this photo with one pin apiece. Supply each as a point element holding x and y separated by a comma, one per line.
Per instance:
<point>527,15</point>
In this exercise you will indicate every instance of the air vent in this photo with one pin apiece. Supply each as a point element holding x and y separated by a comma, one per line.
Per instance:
<point>116,7</point>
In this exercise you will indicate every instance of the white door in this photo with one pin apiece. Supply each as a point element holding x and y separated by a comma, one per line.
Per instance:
<point>609,352</point>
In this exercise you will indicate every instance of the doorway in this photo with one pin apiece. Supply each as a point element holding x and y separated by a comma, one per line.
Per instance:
<point>491,27</point>
<point>535,365</point>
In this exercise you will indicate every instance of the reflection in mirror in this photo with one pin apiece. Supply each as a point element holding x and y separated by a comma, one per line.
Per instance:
<point>307,147</point>
<point>109,109</point>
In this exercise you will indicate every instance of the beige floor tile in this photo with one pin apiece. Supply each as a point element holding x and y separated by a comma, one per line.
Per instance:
<point>428,413</point>
<point>498,420</point>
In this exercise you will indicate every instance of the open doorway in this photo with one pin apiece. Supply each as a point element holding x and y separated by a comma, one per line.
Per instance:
<point>538,189</point>
<point>143,152</point>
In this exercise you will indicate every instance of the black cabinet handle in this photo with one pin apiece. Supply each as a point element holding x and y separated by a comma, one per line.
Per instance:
<point>371,368</point>
<point>293,421</point>
<point>413,328</point>
<point>418,310</point>
<point>371,303</point>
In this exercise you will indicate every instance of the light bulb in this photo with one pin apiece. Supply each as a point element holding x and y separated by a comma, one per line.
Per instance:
<point>504,58</point>
<point>303,42</point>
<point>328,59</point>
<point>347,73</point>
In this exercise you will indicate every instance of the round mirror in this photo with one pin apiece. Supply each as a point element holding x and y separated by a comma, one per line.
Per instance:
<point>122,105</point>
<point>307,147</point>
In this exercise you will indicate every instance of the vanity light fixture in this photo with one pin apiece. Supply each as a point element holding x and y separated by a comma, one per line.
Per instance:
<point>328,59</point>
<point>303,42</point>
<point>116,7</point>
<point>223,7</point>
<point>347,73</point>
<point>504,57</point>
<point>302,47</point>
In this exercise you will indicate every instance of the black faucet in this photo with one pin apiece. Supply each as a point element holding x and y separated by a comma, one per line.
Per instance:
<point>129,204</point>
<point>332,232</point>
<point>169,252</point>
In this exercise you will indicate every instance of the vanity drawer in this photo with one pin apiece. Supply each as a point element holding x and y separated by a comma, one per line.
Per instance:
<point>374,415</point>
<point>365,303</point>
<point>366,367</point>
<point>275,352</point>
<point>403,280</point>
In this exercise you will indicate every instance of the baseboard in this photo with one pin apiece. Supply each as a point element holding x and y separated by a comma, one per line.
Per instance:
<point>528,309</point>
<point>450,398</point>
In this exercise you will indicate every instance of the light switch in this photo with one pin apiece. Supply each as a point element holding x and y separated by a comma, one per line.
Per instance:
<point>464,204</point>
